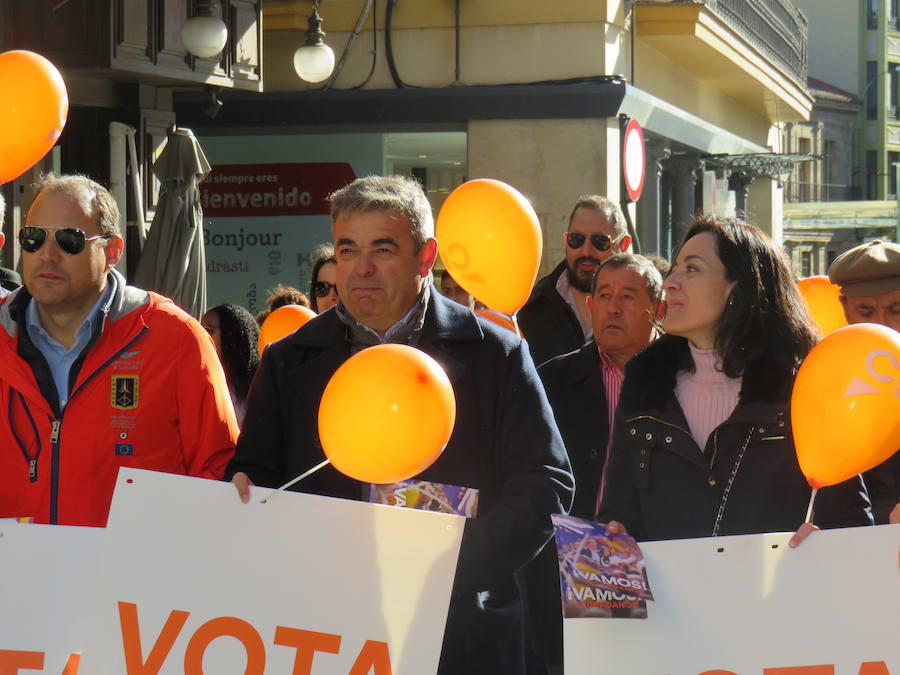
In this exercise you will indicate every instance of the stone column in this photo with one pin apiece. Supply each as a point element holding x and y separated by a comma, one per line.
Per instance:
<point>739,181</point>
<point>683,172</point>
<point>552,162</point>
<point>648,224</point>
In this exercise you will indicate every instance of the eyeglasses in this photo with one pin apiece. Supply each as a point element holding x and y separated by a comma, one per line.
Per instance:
<point>322,288</point>
<point>601,242</point>
<point>70,239</point>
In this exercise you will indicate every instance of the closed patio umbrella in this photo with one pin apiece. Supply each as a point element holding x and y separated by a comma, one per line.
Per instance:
<point>173,261</point>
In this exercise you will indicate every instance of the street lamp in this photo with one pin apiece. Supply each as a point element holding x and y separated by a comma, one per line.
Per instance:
<point>314,61</point>
<point>205,34</point>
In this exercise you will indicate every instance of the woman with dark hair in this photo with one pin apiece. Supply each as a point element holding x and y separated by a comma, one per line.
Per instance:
<point>322,290</point>
<point>702,444</point>
<point>235,333</point>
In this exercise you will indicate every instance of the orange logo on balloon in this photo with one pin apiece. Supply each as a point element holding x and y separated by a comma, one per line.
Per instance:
<point>386,414</point>
<point>492,240</point>
<point>845,408</point>
<point>283,321</point>
<point>33,109</point>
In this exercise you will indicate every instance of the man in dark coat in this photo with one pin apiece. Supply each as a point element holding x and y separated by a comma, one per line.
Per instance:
<point>555,320</point>
<point>505,442</point>
<point>583,387</point>
<point>869,277</point>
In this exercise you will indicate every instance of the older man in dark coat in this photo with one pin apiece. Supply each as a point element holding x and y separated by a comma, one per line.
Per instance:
<point>505,442</point>
<point>583,387</point>
<point>869,278</point>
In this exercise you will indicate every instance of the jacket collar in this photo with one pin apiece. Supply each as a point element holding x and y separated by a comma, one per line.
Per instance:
<point>650,378</point>
<point>122,307</point>
<point>125,300</point>
<point>444,320</point>
<point>589,371</point>
<point>587,360</point>
<point>546,287</point>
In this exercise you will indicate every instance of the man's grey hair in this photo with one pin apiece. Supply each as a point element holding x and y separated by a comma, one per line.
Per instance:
<point>607,207</point>
<point>93,198</point>
<point>644,267</point>
<point>387,193</point>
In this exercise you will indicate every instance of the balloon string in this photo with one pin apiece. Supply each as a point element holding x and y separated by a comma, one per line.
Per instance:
<point>515,321</point>
<point>809,511</point>
<point>296,480</point>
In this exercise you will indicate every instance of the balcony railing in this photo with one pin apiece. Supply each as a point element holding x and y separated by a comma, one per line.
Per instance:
<point>872,21</point>
<point>892,112</point>
<point>819,192</point>
<point>893,23</point>
<point>777,28</point>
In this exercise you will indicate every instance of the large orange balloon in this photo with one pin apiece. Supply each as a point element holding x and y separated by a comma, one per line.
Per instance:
<point>283,321</point>
<point>845,409</point>
<point>386,414</point>
<point>500,319</point>
<point>490,240</point>
<point>33,109</point>
<point>822,301</point>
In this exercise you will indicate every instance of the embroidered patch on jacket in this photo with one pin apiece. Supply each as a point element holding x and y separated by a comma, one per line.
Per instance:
<point>124,395</point>
<point>124,450</point>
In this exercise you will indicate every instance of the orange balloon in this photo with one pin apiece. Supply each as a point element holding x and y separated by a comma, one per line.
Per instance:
<point>490,241</point>
<point>500,319</point>
<point>845,408</point>
<point>822,302</point>
<point>386,414</point>
<point>283,321</point>
<point>33,109</point>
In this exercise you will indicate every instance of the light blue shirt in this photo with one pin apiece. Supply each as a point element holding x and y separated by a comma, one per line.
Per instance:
<point>58,357</point>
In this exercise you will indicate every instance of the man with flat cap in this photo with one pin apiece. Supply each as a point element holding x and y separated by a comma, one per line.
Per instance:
<point>869,278</point>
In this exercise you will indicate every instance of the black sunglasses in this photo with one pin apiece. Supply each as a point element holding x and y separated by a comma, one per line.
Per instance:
<point>70,239</point>
<point>322,288</point>
<point>601,242</point>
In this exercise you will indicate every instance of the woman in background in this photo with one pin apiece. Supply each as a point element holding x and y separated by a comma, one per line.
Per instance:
<point>702,443</point>
<point>235,333</point>
<point>322,290</point>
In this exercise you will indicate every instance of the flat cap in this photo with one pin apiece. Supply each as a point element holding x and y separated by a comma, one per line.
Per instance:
<point>868,269</point>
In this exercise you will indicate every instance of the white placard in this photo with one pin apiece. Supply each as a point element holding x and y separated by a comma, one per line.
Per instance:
<point>756,607</point>
<point>253,588</point>
<point>46,581</point>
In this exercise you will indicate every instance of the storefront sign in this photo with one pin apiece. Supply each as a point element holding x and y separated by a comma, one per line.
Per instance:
<point>264,190</point>
<point>265,210</point>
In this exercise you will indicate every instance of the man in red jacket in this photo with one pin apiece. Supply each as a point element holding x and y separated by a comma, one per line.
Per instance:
<point>95,374</point>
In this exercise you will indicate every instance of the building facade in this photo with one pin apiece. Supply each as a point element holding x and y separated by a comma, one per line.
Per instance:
<point>539,91</point>
<point>533,94</point>
<point>867,63</point>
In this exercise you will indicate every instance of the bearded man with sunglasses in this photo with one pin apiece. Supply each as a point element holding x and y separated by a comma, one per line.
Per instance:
<point>556,319</point>
<point>95,374</point>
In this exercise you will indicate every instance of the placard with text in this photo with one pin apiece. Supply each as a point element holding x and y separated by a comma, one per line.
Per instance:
<point>195,581</point>
<point>749,605</point>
